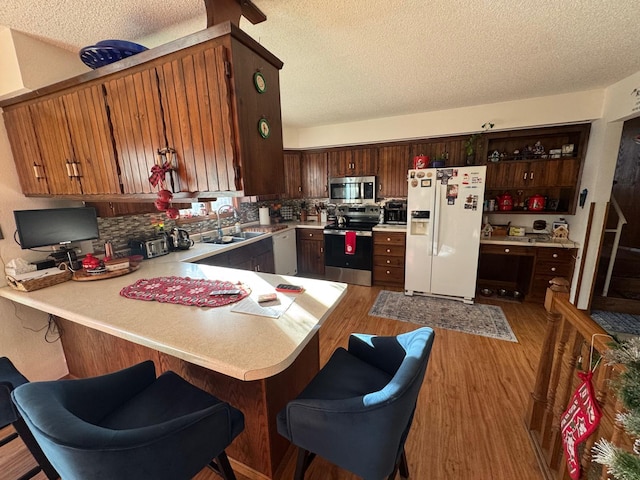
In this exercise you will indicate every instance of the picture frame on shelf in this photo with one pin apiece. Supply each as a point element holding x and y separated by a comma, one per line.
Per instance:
<point>567,150</point>
<point>552,204</point>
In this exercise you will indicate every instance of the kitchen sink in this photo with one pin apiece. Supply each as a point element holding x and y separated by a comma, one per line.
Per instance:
<point>246,235</point>
<point>236,238</point>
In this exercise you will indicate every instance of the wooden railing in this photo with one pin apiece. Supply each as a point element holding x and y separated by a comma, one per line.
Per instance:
<point>571,335</point>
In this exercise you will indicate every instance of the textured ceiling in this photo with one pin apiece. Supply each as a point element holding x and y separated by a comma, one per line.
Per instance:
<point>348,61</point>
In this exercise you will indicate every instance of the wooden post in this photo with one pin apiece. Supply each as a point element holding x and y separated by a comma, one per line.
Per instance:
<point>219,11</point>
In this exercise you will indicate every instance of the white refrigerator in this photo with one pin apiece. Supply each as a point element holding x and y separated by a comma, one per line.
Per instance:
<point>444,220</point>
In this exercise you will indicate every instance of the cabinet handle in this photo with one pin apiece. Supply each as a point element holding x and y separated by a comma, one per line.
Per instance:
<point>37,172</point>
<point>299,189</point>
<point>531,176</point>
<point>555,255</point>
<point>525,176</point>
<point>321,249</point>
<point>257,268</point>
<point>69,169</point>
<point>506,250</point>
<point>76,170</point>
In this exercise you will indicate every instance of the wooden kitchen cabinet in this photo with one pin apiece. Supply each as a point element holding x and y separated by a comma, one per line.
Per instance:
<point>389,258</point>
<point>22,137</point>
<point>62,146</point>
<point>257,257</point>
<point>352,162</point>
<point>527,269</point>
<point>525,174</point>
<point>393,164</point>
<point>310,251</point>
<point>292,175</point>
<point>195,95</point>
<point>314,174</point>
<point>550,263</point>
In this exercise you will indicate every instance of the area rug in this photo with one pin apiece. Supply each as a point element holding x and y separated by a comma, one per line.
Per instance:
<point>614,322</point>
<point>477,319</point>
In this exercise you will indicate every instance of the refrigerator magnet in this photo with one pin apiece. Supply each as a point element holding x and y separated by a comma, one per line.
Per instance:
<point>426,182</point>
<point>452,191</point>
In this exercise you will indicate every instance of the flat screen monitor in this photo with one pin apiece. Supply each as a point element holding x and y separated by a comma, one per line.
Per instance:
<point>55,226</point>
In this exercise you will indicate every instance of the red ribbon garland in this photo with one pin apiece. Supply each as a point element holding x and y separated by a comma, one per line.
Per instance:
<point>159,173</point>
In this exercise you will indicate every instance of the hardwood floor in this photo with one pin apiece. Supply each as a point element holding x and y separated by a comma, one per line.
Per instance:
<point>469,423</point>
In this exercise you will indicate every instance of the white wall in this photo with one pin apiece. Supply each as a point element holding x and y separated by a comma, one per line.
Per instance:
<point>27,63</point>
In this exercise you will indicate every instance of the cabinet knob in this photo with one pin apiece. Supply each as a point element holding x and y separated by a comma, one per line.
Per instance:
<point>553,269</point>
<point>388,250</point>
<point>506,250</point>
<point>555,255</point>
<point>388,261</point>
<point>388,272</point>
<point>311,234</point>
<point>388,239</point>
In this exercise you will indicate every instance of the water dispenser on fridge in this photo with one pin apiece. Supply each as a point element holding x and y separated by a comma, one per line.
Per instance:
<point>420,222</point>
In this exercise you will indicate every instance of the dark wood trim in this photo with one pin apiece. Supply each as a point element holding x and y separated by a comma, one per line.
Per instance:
<point>584,254</point>
<point>599,254</point>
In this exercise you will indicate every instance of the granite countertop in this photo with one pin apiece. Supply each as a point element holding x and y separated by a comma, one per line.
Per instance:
<point>240,345</point>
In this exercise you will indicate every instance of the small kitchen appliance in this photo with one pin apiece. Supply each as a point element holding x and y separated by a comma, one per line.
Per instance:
<point>178,239</point>
<point>395,212</point>
<point>346,190</point>
<point>149,248</point>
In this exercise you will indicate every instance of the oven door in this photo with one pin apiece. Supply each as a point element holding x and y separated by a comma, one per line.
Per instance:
<point>340,267</point>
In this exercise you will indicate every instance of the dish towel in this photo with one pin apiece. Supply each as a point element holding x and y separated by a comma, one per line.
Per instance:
<point>350,243</point>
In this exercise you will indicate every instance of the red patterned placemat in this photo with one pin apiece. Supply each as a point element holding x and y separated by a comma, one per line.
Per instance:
<point>185,291</point>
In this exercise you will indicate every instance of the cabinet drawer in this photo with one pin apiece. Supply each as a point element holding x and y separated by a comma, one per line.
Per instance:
<point>388,250</point>
<point>310,234</point>
<point>388,261</point>
<point>507,250</point>
<point>389,238</point>
<point>555,255</point>
<point>388,275</point>
<point>555,269</point>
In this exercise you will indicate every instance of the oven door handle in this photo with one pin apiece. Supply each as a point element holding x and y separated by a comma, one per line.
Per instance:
<point>344,232</point>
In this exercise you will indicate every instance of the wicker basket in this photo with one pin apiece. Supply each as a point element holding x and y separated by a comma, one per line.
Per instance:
<point>40,282</point>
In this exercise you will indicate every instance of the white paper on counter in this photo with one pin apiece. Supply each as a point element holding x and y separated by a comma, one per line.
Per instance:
<point>271,309</point>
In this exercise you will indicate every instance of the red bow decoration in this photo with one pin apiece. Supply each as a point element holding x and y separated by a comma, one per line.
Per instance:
<point>159,173</point>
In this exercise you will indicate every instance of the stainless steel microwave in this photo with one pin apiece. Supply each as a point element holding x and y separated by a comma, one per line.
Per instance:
<point>352,189</point>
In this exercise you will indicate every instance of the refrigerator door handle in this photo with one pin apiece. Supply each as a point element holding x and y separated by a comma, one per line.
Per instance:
<point>436,223</point>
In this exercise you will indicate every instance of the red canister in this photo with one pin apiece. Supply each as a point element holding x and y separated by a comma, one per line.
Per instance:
<point>505,202</point>
<point>420,161</point>
<point>536,203</point>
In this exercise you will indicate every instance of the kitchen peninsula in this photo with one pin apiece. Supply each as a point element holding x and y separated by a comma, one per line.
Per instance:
<point>256,363</point>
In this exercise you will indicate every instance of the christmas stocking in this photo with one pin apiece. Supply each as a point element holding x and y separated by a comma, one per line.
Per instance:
<point>579,421</point>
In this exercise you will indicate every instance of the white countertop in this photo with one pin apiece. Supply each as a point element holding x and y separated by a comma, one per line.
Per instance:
<point>529,241</point>
<point>243,346</point>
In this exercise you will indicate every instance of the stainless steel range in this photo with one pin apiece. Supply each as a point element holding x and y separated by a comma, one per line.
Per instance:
<point>348,244</point>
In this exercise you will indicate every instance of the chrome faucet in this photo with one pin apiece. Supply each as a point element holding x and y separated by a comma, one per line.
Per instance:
<point>236,216</point>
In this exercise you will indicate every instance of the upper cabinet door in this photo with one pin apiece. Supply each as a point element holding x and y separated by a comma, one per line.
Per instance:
<point>54,143</point>
<point>196,100</point>
<point>180,107</point>
<point>292,175</point>
<point>393,165</point>
<point>94,157</point>
<point>22,137</point>
<point>352,162</point>
<point>314,175</point>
